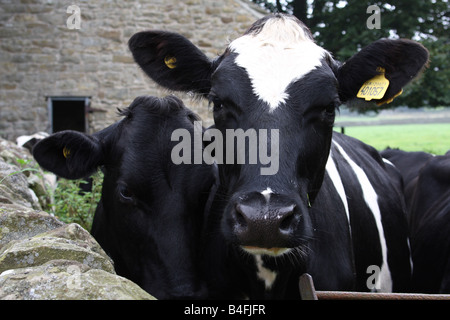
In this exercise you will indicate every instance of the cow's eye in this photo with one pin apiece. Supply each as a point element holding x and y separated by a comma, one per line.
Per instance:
<point>125,195</point>
<point>330,108</point>
<point>216,103</point>
<point>329,112</point>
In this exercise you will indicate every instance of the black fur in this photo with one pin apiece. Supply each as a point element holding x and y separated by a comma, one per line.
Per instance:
<point>427,192</point>
<point>402,60</point>
<point>83,154</point>
<point>145,197</point>
<point>192,70</point>
<point>324,244</point>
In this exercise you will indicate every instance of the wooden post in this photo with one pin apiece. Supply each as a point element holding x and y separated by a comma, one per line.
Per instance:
<point>306,286</point>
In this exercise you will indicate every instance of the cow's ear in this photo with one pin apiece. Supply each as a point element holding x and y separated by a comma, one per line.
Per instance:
<point>69,154</point>
<point>398,61</point>
<point>172,61</point>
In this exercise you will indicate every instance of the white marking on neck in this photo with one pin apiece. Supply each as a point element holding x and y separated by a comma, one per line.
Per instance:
<point>388,162</point>
<point>371,199</point>
<point>278,55</point>
<point>266,193</point>
<point>338,185</point>
<point>264,274</point>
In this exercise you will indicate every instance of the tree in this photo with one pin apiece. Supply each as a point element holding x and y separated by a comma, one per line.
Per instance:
<point>340,27</point>
<point>432,87</point>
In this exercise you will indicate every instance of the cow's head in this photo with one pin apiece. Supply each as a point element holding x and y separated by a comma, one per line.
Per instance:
<point>274,77</point>
<point>150,214</point>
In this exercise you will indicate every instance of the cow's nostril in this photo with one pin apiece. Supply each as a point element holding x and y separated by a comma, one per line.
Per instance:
<point>287,222</point>
<point>287,217</point>
<point>239,215</point>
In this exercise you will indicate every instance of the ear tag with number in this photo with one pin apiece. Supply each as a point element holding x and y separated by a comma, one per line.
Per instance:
<point>374,88</point>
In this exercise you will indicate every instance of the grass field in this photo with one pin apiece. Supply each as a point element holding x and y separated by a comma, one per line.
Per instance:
<point>432,138</point>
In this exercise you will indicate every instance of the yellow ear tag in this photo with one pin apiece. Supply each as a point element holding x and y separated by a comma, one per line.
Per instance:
<point>391,99</point>
<point>374,88</point>
<point>66,152</point>
<point>171,62</point>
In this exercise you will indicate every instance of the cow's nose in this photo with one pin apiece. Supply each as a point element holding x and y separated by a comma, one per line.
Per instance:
<point>266,226</point>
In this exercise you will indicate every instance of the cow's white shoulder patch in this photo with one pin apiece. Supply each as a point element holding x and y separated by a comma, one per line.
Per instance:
<point>278,55</point>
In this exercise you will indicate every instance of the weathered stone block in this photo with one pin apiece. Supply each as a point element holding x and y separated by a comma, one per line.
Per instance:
<point>41,249</point>
<point>17,222</point>
<point>110,34</point>
<point>67,280</point>
<point>14,187</point>
<point>123,59</point>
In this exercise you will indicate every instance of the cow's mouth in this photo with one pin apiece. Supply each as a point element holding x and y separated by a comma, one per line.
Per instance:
<point>275,251</point>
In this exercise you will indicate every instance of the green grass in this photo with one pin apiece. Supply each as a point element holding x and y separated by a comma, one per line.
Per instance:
<point>432,138</point>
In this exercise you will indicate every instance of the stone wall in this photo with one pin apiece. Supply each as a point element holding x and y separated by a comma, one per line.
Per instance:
<point>41,257</point>
<point>40,56</point>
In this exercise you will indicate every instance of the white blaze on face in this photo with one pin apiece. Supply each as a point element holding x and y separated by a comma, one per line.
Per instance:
<point>278,55</point>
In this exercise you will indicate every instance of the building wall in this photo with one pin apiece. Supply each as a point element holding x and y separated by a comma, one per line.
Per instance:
<point>40,56</point>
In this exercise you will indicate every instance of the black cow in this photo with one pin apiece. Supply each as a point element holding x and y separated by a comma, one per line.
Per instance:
<point>330,209</point>
<point>150,215</point>
<point>428,201</point>
<point>409,165</point>
<point>430,227</point>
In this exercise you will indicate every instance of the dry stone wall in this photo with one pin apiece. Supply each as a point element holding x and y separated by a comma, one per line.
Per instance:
<point>42,258</point>
<point>50,260</point>
<point>40,56</point>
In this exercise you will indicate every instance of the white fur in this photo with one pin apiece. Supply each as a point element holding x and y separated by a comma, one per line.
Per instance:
<point>278,55</point>
<point>337,182</point>
<point>274,252</point>
<point>264,274</point>
<point>388,162</point>
<point>371,199</point>
<point>266,193</point>
<point>24,139</point>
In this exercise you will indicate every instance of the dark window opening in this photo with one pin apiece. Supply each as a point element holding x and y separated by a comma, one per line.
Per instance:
<point>68,113</point>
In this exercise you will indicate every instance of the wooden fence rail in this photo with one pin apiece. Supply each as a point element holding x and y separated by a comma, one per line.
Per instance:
<point>308,292</point>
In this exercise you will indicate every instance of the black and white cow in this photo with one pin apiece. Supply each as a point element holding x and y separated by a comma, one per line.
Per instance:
<point>331,209</point>
<point>149,218</point>
<point>29,141</point>
<point>427,194</point>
